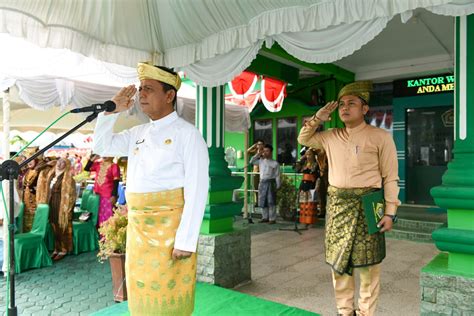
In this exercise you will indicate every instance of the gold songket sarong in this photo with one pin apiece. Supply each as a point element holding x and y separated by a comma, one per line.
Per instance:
<point>157,284</point>
<point>348,243</point>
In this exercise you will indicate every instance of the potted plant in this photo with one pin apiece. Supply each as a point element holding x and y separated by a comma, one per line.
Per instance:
<point>286,198</point>
<point>112,246</point>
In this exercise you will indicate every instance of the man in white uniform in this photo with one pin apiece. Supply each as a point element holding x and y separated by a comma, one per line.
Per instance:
<point>167,187</point>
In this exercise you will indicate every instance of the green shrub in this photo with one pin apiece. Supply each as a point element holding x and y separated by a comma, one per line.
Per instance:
<point>287,198</point>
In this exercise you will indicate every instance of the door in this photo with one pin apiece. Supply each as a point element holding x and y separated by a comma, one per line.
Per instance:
<point>429,135</point>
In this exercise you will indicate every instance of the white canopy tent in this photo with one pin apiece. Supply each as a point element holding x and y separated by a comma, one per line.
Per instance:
<point>45,83</point>
<point>172,33</point>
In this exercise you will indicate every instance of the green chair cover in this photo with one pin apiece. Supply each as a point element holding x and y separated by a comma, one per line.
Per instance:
<point>84,234</point>
<point>84,199</point>
<point>49,238</point>
<point>30,249</point>
<point>19,219</point>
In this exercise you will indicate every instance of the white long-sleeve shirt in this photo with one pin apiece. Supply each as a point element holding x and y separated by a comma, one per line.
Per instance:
<point>269,169</point>
<point>165,154</point>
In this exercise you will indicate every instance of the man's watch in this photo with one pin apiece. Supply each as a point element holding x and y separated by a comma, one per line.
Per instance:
<point>393,217</point>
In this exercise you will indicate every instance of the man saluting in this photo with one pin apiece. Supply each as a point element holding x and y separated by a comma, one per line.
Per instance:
<point>361,158</point>
<point>167,186</point>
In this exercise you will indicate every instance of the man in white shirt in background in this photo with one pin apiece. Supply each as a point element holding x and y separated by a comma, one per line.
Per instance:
<point>269,183</point>
<point>167,187</point>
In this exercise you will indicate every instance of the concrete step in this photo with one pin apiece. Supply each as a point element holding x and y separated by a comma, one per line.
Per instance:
<point>404,234</point>
<point>416,225</point>
<point>422,213</point>
<point>417,222</point>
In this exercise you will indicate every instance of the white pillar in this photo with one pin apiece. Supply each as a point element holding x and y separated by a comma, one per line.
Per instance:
<point>6,125</point>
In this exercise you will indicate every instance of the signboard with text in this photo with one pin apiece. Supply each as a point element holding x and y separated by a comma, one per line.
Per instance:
<point>423,86</point>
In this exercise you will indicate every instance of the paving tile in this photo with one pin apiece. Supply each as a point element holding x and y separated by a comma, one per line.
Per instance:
<point>33,309</point>
<point>61,311</point>
<point>80,307</point>
<point>57,294</point>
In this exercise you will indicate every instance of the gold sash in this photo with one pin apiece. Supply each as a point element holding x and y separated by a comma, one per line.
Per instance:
<point>157,284</point>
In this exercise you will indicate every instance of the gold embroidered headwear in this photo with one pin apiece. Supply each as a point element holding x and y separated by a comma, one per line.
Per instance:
<point>360,89</point>
<point>30,151</point>
<point>148,71</point>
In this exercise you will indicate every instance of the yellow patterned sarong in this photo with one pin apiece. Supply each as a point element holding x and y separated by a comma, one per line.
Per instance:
<point>157,284</point>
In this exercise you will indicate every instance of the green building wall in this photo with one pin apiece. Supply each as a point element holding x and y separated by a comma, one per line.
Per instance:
<point>237,141</point>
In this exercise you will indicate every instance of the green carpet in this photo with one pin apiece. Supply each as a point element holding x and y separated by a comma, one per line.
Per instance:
<point>212,300</point>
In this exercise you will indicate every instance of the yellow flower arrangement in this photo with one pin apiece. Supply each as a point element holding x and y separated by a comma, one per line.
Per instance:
<point>113,234</point>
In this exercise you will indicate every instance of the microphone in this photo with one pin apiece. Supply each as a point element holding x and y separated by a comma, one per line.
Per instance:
<point>108,106</point>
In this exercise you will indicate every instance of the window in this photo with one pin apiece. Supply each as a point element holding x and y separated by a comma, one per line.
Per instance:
<point>263,130</point>
<point>429,136</point>
<point>381,116</point>
<point>286,140</point>
<point>381,110</point>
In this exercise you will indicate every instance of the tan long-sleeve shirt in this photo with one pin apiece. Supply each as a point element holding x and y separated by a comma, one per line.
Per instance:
<point>362,157</point>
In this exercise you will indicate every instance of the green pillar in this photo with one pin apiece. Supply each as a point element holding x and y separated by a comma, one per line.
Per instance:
<point>332,90</point>
<point>456,193</point>
<point>220,209</point>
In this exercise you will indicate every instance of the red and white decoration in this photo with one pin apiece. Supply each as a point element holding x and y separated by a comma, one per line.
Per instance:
<point>243,92</point>
<point>273,93</point>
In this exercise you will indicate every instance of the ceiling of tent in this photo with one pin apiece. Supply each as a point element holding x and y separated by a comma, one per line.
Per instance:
<point>172,32</point>
<point>423,45</point>
<point>24,118</point>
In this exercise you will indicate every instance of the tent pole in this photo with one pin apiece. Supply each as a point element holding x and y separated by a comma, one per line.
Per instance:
<point>6,125</point>
<point>246,158</point>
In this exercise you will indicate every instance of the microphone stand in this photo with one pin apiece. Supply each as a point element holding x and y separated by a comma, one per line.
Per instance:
<point>9,170</point>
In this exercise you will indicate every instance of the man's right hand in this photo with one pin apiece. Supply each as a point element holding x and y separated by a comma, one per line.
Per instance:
<point>123,99</point>
<point>324,113</point>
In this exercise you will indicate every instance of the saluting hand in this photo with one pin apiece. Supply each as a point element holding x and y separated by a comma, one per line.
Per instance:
<point>123,99</point>
<point>324,113</point>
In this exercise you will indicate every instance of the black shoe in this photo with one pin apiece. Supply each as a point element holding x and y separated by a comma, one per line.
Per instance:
<point>272,222</point>
<point>263,221</point>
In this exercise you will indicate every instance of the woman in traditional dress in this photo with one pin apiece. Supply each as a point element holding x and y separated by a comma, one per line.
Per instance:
<point>310,170</point>
<point>323,183</point>
<point>106,184</point>
<point>30,191</point>
<point>30,180</point>
<point>62,198</point>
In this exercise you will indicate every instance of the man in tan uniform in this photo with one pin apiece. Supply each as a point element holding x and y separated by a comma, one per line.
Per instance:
<point>361,158</point>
